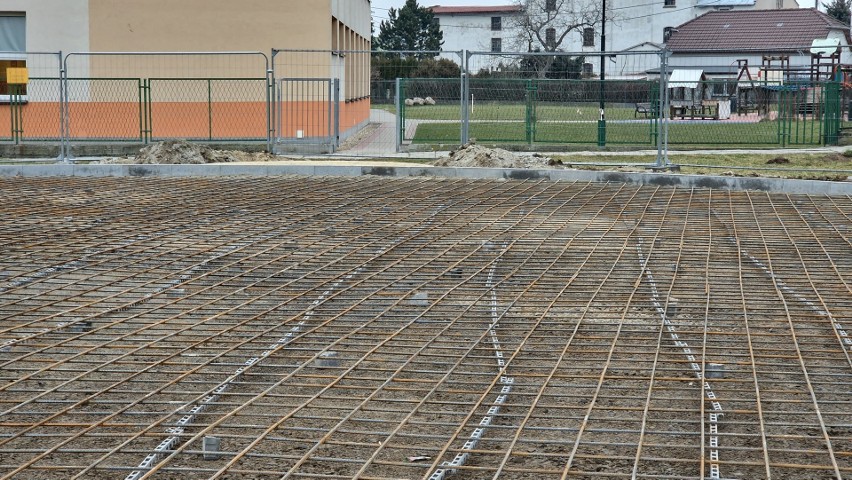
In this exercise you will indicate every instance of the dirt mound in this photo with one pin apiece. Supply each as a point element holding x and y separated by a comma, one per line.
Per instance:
<point>186,153</point>
<point>480,156</point>
<point>176,152</point>
<point>778,161</point>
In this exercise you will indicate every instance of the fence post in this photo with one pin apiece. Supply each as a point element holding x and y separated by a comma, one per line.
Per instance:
<point>531,114</point>
<point>65,111</point>
<point>210,109</point>
<point>335,141</point>
<point>61,156</point>
<point>400,123</point>
<point>270,100</point>
<point>662,111</point>
<point>13,111</point>
<point>465,100</point>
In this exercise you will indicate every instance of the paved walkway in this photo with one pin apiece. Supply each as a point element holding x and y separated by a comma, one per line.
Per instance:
<point>381,141</point>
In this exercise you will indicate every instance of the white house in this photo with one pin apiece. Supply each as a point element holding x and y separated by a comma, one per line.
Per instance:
<point>630,22</point>
<point>630,25</point>
<point>476,28</point>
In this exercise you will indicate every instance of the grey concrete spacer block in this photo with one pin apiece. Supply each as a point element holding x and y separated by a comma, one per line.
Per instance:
<point>671,307</point>
<point>714,370</point>
<point>81,327</point>
<point>210,448</point>
<point>420,299</point>
<point>327,359</point>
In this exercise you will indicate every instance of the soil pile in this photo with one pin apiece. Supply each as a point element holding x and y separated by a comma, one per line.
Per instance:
<point>186,153</point>
<point>175,152</point>
<point>480,156</point>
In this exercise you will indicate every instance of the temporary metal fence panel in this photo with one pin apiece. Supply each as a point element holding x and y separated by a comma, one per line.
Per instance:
<point>552,99</point>
<point>307,115</point>
<point>31,112</point>
<point>431,112</point>
<point>105,109</point>
<point>558,111</point>
<point>142,96</point>
<point>208,109</point>
<point>414,100</point>
<point>349,66</point>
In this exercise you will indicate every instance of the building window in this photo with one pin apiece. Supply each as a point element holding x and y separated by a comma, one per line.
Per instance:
<point>550,37</point>
<point>496,24</point>
<point>589,37</point>
<point>667,33</point>
<point>669,3</point>
<point>13,44</point>
<point>496,44</point>
<point>550,5</point>
<point>588,70</point>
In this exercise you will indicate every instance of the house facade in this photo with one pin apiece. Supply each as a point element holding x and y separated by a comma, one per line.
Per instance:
<point>477,28</point>
<point>630,26</point>
<point>631,22</point>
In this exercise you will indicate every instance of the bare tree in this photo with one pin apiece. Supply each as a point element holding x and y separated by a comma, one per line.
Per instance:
<point>548,25</point>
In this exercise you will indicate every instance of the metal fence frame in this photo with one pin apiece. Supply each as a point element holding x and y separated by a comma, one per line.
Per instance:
<point>16,99</point>
<point>827,133</point>
<point>145,93</point>
<point>662,120</point>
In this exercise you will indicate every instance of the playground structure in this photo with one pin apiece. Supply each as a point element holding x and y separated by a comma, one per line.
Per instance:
<point>779,82</point>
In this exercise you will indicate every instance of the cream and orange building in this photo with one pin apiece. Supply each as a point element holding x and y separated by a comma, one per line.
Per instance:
<point>327,26</point>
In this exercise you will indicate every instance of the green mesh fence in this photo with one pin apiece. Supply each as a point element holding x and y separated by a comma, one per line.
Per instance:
<point>541,112</point>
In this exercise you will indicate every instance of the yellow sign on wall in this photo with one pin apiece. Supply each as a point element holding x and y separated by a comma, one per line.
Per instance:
<point>17,76</point>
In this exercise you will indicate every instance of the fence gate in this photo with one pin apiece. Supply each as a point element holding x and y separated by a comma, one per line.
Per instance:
<point>833,113</point>
<point>307,115</point>
<point>808,114</point>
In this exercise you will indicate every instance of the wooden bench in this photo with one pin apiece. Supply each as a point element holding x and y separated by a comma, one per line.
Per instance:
<point>706,110</point>
<point>644,109</point>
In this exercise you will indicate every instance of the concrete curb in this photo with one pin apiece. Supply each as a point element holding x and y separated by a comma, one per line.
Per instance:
<point>778,185</point>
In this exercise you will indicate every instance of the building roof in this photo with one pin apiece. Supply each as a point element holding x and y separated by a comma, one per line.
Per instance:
<point>686,78</point>
<point>474,10</point>
<point>755,30</point>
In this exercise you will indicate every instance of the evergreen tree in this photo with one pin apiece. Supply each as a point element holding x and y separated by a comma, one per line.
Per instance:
<point>411,27</point>
<point>839,9</point>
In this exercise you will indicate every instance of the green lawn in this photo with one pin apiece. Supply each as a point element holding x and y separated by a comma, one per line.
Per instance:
<point>515,111</point>
<point>761,134</point>
<point>577,124</point>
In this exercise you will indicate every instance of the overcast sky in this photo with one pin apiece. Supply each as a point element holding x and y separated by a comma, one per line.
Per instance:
<point>380,7</point>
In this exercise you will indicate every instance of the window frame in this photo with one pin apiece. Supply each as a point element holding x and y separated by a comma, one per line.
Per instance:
<point>589,37</point>
<point>497,24</point>
<point>550,37</point>
<point>497,43</point>
<point>11,56</point>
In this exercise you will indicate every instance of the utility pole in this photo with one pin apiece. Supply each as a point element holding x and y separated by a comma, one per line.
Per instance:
<point>602,120</point>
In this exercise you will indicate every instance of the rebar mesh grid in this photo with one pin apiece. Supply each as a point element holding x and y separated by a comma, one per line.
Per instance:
<point>420,328</point>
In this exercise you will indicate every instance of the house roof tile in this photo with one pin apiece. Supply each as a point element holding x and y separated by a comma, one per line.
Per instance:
<point>764,30</point>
